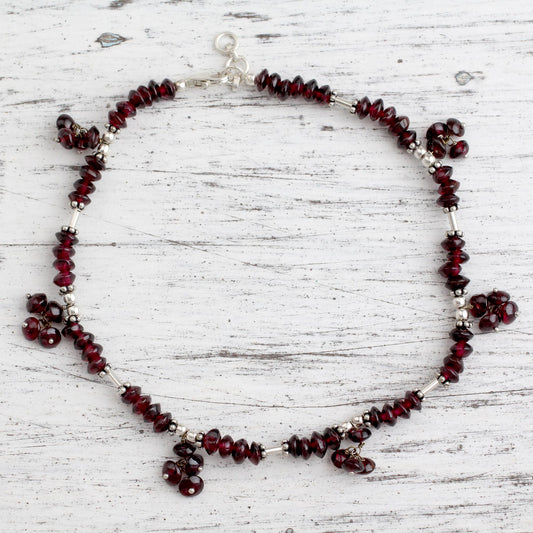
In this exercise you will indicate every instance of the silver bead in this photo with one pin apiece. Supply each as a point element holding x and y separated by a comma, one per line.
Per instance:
<point>285,447</point>
<point>108,137</point>
<point>419,152</point>
<point>428,159</point>
<point>461,314</point>
<point>69,298</point>
<point>173,426</point>
<point>437,164</point>
<point>332,98</point>
<point>103,148</point>
<point>459,301</point>
<point>72,310</point>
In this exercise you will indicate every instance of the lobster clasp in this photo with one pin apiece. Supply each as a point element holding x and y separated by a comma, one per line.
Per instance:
<point>203,80</point>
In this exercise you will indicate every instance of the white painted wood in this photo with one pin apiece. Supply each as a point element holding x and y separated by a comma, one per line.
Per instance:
<point>266,268</point>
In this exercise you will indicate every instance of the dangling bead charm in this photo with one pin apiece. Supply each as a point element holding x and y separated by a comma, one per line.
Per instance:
<point>493,309</point>
<point>350,458</point>
<point>184,472</point>
<point>440,135</point>
<point>33,328</point>
<point>72,135</point>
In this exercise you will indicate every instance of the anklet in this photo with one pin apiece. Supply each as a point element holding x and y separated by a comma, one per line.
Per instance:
<point>442,139</point>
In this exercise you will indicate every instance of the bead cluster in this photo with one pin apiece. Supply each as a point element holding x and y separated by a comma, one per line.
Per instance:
<point>71,135</point>
<point>493,309</point>
<point>41,328</point>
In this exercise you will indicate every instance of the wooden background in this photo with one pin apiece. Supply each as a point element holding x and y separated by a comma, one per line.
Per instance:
<point>266,268</point>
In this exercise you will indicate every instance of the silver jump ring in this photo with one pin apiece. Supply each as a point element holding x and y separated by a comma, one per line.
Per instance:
<point>230,47</point>
<point>238,62</point>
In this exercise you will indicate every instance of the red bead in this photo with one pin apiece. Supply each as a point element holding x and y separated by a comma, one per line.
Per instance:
<point>49,337</point>
<point>376,110</point>
<point>92,137</point>
<point>191,486</point>
<point>136,99</point>
<point>73,331</point>
<point>362,109</point>
<point>461,334</point>
<point>461,349</point>
<point>171,472</point>
<point>318,443</point>
<point>95,364</point>
<point>399,125</point>
<point>457,282</point>
<point>451,244</point>
<point>368,465</point>
<point>152,412</point>
<point>94,162</point>
<point>448,200</point>
<point>140,406</point>
<point>323,94</point>
<point>359,434</point>
<point>184,449</point>
<point>131,395</point>
<point>295,446</point>
<point>387,415</point>
<point>412,401</point>
<point>437,148</point>
<point>211,441</point>
<point>255,453</point>
<point>66,138</point>
<point>273,84</point>
<point>399,409</point>
<point>194,464</point>
<point>30,328</point>
<point>82,340</point>
<point>459,150</point>
<point>449,270</point>
<point>240,451</point>
<point>375,417</point>
<point>353,465</point>
<point>63,279</point>
<point>80,198</point>
<point>388,116</point>
<point>442,174</point>
<point>508,312</point>
<point>116,119</point>
<point>406,138</point>
<point>81,142</point>
<point>455,127</point>
<point>63,252</point>
<point>225,446</point>
<point>162,422</point>
<point>66,238</point>
<point>54,312</point>
<point>458,257</point>
<point>297,86</point>
<point>84,187</point>
<point>338,458</point>
<point>478,304</point>
<point>437,129</point>
<point>167,90</point>
<point>145,95</point>
<point>498,297</point>
<point>89,174</point>
<point>283,89</point>
<point>309,89</point>
<point>64,121</point>
<point>155,90</point>
<point>261,80</point>
<point>305,446</point>
<point>449,374</point>
<point>126,109</point>
<point>37,303</point>
<point>333,439</point>
<point>454,363</point>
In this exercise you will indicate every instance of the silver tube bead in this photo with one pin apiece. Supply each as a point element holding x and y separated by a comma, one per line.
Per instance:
<point>74,218</point>
<point>453,220</point>
<point>349,104</point>
<point>108,372</point>
<point>430,386</point>
<point>271,451</point>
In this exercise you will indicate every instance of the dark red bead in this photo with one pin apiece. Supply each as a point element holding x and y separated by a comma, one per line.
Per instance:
<point>66,138</point>
<point>459,149</point>
<point>297,86</point>
<point>295,446</point>
<point>95,364</point>
<point>376,110</point>
<point>152,412</point>
<point>136,99</point>
<point>126,109</point>
<point>66,238</point>
<point>400,410</point>
<point>318,443</point>
<point>154,89</point>
<point>455,127</point>
<point>82,340</point>
<point>80,198</point>
<point>362,109</point>
<point>323,94</point>
<point>240,451</point>
<point>498,297</point>
<point>449,187</point>
<point>162,422</point>
<point>333,439</point>
<point>116,119</point>
<point>283,90</point>
<point>449,270</point>
<point>37,303</point>
<point>84,187</point>
<point>171,472</point>
<point>88,173</point>
<point>63,279</point>
<point>451,244</point>
<point>64,121</point>
<point>225,446</point>
<point>338,458</point>
<point>353,465</point>
<point>167,90</point>
<point>399,125</point>
<point>458,257</point>
<point>442,174</point>
<point>388,116</point>
<point>449,374</point>
<point>145,95</point>
<point>309,89</point>
<point>140,406</point>
<point>457,282</point>
<point>273,84</point>
<point>359,434</point>
<point>255,453</point>
<point>30,328</point>
<point>436,147</point>
<point>211,441</point>
<point>94,162</point>
<point>387,415</point>
<point>438,129</point>
<point>375,417</point>
<point>368,465</point>
<point>448,200</point>
<point>508,312</point>
<point>73,331</point>
<point>461,334</point>
<point>454,363</point>
<point>412,401</point>
<point>54,312</point>
<point>478,303</point>
<point>461,349</point>
<point>49,337</point>
<point>131,395</point>
<point>305,446</point>
<point>261,80</point>
<point>191,486</point>
<point>194,464</point>
<point>406,138</point>
<point>81,142</point>
<point>63,252</point>
<point>184,449</point>
<point>93,137</point>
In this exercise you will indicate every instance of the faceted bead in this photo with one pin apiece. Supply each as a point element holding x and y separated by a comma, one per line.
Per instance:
<point>211,441</point>
<point>375,417</point>
<point>323,94</point>
<point>368,465</point>
<point>461,349</point>
<point>66,137</point>
<point>455,363</point>
<point>167,90</point>
<point>359,434</point>
<point>82,340</point>
<point>73,331</point>
<point>37,303</point>
<point>152,412</point>
<point>498,297</point>
<point>63,279</point>
<point>305,447</point>
<point>126,109</point>
<point>162,422</point>
<point>412,401</point>
<point>94,162</point>
<point>436,147</point>
<point>459,150</point>
<point>140,406</point>
<point>261,80</point>
<point>136,99</point>
<point>30,328</point>
<point>96,364</point>
<point>399,409</point>
<point>92,137</point>
<point>461,334</point>
<point>154,89</point>
<point>297,86</point>
<point>54,312</point>
<point>449,374</point>
<point>387,415</point>
<point>184,449</point>
<point>388,116</point>
<point>64,121</point>
<point>458,257</point>
<point>451,244</point>
<point>338,458</point>
<point>443,174</point>
<point>333,439</point>
<point>448,200</point>
<point>362,109</point>
<point>283,90</point>
<point>318,443</point>
<point>436,130</point>
<point>449,270</point>
<point>400,124</point>
<point>131,395</point>
<point>171,472</point>
<point>406,138</point>
<point>84,187</point>
<point>66,238</point>
<point>194,464</point>
<point>80,141</point>
<point>63,252</point>
<point>457,282</point>
<point>273,84</point>
<point>309,89</point>
<point>80,198</point>
<point>255,453</point>
<point>225,446</point>
<point>49,337</point>
<point>508,312</point>
<point>353,465</point>
<point>116,119</point>
<point>295,446</point>
<point>455,127</point>
<point>191,486</point>
<point>91,351</point>
<point>478,304</point>
<point>240,451</point>
<point>145,95</point>
<point>376,110</point>
<point>89,174</point>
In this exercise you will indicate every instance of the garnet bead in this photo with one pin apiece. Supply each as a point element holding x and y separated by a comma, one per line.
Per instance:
<point>461,349</point>
<point>84,187</point>
<point>162,422</point>
<point>449,270</point>
<point>131,395</point>
<point>459,149</point>
<point>508,312</point>
<point>225,446</point>
<point>498,297</point>
<point>116,119</point>
<point>54,312</point>
<point>283,90</point>
<point>362,109</point>
<point>297,86</point>
<point>63,252</point>
<point>83,339</point>
<point>437,148</point>
<point>145,95</point>
<point>449,374</point>
<point>461,334</point>
<point>211,441</point>
<point>273,84</point>
<point>400,124</point>
<point>443,174</point>
<point>154,89</point>
<point>95,162</point>
<point>184,449</point>
<point>63,279</point>
<point>375,417</point>
<point>359,434</point>
<point>305,447</point>
<point>437,129</point>
<point>261,80</point>
<point>323,94</point>
<point>388,116</point>
<point>318,443</point>
<point>255,453</point>
<point>66,138</point>
<point>448,200</point>
<point>49,337</point>
<point>74,331</point>
<point>92,137</point>
<point>167,90</point>
<point>95,364</point>
<point>412,401</point>
<point>30,328</point>
<point>152,412</point>
<point>64,121</point>
<point>368,465</point>
<point>194,464</point>
<point>90,174</point>
<point>406,138</point>
<point>333,439</point>
<point>240,451</point>
<point>142,404</point>
<point>400,410</point>
<point>171,472</point>
<point>455,127</point>
<point>126,109</point>
<point>457,282</point>
<point>454,363</point>
<point>478,304</point>
<point>458,256</point>
<point>80,198</point>
<point>190,486</point>
<point>295,446</point>
<point>338,458</point>
<point>387,416</point>
<point>136,99</point>
<point>451,244</point>
<point>37,303</point>
<point>376,110</point>
<point>66,238</point>
<point>353,465</point>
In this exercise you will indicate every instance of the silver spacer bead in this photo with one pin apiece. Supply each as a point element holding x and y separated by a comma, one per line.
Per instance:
<point>70,229</point>
<point>199,439</point>
<point>107,138</point>
<point>262,450</point>
<point>69,298</point>
<point>419,393</point>
<point>332,98</point>
<point>77,205</point>
<point>101,157</point>
<point>71,310</point>
<point>172,427</point>
<point>437,164</point>
<point>73,319</point>
<point>285,447</point>
<point>68,288</point>
<point>454,233</point>
<point>105,371</point>
<point>459,302</point>
<point>428,159</point>
<point>103,148</point>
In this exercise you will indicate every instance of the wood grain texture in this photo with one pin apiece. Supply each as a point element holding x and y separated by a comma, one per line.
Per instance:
<point>266,268</point>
